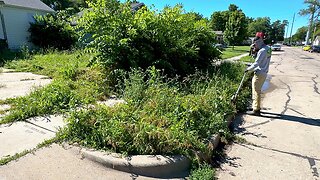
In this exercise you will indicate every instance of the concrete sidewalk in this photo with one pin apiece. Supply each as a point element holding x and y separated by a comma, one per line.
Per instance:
<point>59,162</point>
<point>284,142</point>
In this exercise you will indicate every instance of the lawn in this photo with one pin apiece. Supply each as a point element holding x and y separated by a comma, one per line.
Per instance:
<point>238,50</point>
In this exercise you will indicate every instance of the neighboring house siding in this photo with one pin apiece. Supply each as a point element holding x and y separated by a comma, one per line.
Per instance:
<point>17,22</point>
<point>1,31</point>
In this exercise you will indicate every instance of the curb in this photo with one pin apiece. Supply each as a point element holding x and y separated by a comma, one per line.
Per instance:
<point>158,166</point>
<point>146,165</point>
<point>150,165</point>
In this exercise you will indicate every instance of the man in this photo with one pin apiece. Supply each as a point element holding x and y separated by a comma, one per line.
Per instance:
<point>260,68</point>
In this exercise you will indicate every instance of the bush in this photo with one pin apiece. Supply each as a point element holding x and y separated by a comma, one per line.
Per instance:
<point>52,31</point>
<point>171,40</point>
<point>161,115</point>
<point>3,44</point>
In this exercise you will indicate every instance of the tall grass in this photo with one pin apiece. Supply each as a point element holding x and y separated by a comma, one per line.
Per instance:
<point>74,85</point>
<point>161,116</point>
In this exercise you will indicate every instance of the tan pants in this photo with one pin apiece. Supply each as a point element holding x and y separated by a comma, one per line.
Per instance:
<point>257,82</point>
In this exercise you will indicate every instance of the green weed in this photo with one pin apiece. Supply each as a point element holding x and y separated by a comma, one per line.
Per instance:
<point>161,116</point>
<point>204,172</point>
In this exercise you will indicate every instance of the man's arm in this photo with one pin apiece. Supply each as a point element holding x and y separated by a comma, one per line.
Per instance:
<point>260,56</point>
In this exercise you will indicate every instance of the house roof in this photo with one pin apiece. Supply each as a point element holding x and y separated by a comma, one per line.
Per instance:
<point>136,6</point>
<point>31,4</point>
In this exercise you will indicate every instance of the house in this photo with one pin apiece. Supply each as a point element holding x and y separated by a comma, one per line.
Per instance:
<point>316,41</point>
<point>15,19</point>
<point>219,37</point>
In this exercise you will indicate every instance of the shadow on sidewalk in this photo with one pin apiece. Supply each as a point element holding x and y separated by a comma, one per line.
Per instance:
<point>308,121</point>
<point>269,117</point>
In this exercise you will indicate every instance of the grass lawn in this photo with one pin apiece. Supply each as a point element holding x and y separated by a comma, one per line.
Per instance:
<point>248,59</point>
<point>238,50</point>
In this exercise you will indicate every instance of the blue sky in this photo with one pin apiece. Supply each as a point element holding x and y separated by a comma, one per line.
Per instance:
<point>275,9</point>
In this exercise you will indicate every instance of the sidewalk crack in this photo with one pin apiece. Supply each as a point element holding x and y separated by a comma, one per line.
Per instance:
<point>289,98</point>
<point>315,84</point>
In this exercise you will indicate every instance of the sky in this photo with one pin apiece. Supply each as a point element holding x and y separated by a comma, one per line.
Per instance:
<point>275,9</point>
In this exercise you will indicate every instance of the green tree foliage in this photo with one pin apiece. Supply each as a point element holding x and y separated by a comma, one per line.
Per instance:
<point>259,25</point>
<point>300,35</point>
<point>220,21</point>
<point>275,31</point>
<point>52,31</point>
<point>233,7</point>
<point>313,7</point>
<point>170,40</point>
<point>235,28</point>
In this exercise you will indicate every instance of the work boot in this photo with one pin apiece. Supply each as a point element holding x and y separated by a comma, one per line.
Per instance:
<point>254,113</point>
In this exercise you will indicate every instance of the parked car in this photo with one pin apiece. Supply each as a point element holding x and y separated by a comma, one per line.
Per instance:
<point>306,47</point>
<point>314,48</point>
<point>276,47</point>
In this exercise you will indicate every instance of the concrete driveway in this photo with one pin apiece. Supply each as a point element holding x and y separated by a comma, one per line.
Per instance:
<point>285,142</point>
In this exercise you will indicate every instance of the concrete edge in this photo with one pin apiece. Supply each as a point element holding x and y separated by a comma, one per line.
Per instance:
<point>150,165</point>
<point>146,165</point>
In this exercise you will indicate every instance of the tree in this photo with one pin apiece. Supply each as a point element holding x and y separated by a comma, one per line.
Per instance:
<point>300,35</point>
<point>261,24</point>
<point>314,11</point>
<point>233,7</point>
<point>277,31</point>
<point>313,7</point>
<point>171,40</point>
<point>233,28</point>
<point>218,20</point>
<point>53,31</point>
<point>196,15</point>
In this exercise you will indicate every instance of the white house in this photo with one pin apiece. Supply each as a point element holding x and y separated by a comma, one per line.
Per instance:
<point>15,18</point>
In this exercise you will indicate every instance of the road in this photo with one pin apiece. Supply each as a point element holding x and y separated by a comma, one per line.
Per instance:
<point>285,142</point>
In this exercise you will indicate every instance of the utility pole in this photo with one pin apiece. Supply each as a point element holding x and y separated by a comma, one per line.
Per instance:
<point>294,14</point>
<point>310,24</point>
<point>286,36</point>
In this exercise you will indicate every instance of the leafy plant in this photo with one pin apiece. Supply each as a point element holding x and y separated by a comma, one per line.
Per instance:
<point>171,40</point>
<point>204,172</point>
<point>53,31</point>
<point>161,115</point>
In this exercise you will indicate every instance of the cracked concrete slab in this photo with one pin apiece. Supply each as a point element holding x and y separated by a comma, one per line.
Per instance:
<point>14,84</point>
<point>60,162</point>
<point>26,135</point>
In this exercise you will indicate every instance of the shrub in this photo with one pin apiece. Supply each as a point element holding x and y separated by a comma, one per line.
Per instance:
<point>3,44</point>
<point>171,40</point>
<point>161,115</point>
<point>52,31</point>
